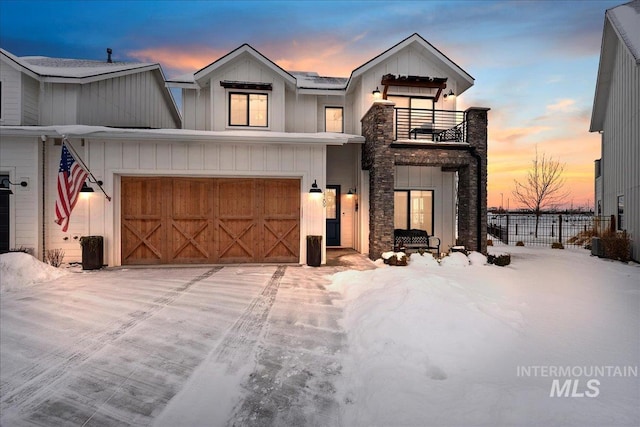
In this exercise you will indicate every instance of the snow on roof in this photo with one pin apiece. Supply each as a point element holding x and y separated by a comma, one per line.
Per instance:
<point>241,136</point>
<point>312,80</point>
<point>626,20</point>
<point>72,68</point>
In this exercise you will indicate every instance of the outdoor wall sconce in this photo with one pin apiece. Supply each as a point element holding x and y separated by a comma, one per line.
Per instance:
<point>376,93</point>
<point>350,194</point>
<point>450,94</point>
<point>4,186</point>
<point>314,188</point>
<point>86,189</point>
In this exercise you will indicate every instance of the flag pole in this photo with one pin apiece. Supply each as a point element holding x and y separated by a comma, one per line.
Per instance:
<point>65,141</point>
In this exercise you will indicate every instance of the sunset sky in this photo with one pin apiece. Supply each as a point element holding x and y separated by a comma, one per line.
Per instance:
<point>535,63</point>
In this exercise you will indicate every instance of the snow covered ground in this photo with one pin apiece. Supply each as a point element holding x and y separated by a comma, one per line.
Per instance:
<point>457,343</point>
<point>469,344</point>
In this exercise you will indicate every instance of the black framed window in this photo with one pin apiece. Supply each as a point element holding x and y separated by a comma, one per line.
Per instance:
<point>621,223</point>
<point>248,109</point>
<point>334,119</point>
<point>413,209</point>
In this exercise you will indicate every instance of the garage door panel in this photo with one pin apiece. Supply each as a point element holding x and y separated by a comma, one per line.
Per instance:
<point>188,212</point>
<point>143,231</point>
<point>209,220</point>
<point>237,240</point>
<point>281,240</point>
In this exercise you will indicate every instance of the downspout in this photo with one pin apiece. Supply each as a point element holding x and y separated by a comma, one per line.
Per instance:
<point>44,161</point>
<point>472,151</point>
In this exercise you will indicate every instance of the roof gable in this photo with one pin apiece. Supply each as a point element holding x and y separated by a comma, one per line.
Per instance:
<point>464,79</point>
<point>245,49</point>
<point>621,23</point>
<point>64,70</point>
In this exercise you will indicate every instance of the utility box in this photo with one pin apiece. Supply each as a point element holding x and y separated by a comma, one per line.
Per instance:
<point>597,248</point>
<point>92,252</point>
<point>314,251</point>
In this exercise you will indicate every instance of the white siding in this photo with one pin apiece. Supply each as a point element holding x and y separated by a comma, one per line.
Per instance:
<point>209,111</point>
<point>19,158</point>
<point>302,113</point>
<point>343,165</point>
<point>109,160</point>
<point>408,61</point>
<point>621,144</point>
<point>30,100</point>
<point>134,100</point>
<point>59,104</point>
<point>196,109</point>
<point>11,97</point>
<point>444,197</point>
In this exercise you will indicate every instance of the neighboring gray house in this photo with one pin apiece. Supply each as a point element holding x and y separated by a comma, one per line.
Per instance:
<point>616,115</point>
<point>230,181</point>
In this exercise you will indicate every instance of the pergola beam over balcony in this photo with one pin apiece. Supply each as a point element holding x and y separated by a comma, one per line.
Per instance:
<point>439,83</point>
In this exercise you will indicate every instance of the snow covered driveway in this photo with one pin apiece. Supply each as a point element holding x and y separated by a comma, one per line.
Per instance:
<point>256,345</point>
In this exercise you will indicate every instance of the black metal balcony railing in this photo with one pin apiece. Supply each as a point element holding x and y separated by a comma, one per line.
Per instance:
<point>430,125</point>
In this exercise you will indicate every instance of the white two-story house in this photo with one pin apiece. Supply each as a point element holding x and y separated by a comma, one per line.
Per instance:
<point>262,158</point>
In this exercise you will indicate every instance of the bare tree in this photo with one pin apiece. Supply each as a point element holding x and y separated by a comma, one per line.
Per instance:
<point>543,187</point>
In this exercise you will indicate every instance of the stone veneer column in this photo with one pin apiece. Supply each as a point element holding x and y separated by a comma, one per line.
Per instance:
<point>472,196</point>
<point>377,157</point>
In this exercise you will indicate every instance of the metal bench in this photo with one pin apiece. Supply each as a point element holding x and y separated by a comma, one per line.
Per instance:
<point>414,239</point>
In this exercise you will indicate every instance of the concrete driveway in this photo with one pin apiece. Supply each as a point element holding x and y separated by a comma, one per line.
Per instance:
<point>114,347</point>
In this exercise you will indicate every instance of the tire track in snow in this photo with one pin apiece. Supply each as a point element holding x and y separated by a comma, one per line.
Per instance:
<point>48,370</point>
<point>237,345</point>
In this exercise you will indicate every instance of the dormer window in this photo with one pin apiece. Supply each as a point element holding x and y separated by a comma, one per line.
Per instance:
<point>248,109</point>
<point>248,103</point>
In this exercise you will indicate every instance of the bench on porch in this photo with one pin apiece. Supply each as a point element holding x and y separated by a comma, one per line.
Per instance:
<point>453,134</point>
<point>406,240</point>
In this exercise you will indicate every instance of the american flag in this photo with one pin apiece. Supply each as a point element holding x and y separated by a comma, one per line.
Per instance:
<point>71,176</point>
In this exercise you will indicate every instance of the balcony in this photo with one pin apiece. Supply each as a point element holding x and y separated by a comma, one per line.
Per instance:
<point>424,125</point>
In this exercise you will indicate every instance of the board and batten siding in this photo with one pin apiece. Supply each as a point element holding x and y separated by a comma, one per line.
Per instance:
<point>59,104</point>
<point>30,101</point>
<point>443,185</point>
<point>110,159</point>
<point>133,100</point>
<point>11,97</point>
<point>343,165</point>
<point>19,158</point>
<point>196,107</point>
<point>408,61</point>
<point>210,111</point>
<point>621,143</point>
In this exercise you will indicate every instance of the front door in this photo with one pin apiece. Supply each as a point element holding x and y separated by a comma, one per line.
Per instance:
<point>332,198</point>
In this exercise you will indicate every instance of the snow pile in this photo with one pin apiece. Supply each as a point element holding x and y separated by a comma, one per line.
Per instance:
<point>19,270</point>
<point>440,344</point>
<point>410,332</point>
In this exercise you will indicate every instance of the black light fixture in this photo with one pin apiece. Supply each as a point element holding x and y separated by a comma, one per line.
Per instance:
<point>351,192</point>
<point>86,189</point>
<point>376,93</point>
<point>4,186</point>
<point>449,94</point>
<point>314,188</point>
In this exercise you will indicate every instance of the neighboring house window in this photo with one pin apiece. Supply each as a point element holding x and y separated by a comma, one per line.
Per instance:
<point>248,109</point>
<point>413,209</point>
<point>621,224</point>
<point>333,119</point>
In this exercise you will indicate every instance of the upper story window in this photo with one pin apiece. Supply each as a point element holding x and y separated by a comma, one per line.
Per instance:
<point>248,109</point>
<point>334,119</point>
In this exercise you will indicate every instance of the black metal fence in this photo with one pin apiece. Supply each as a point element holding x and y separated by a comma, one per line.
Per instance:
<point>568,229</point>
<point>430,125</point>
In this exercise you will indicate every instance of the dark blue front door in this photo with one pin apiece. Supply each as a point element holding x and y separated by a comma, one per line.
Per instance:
<point>332,198</point>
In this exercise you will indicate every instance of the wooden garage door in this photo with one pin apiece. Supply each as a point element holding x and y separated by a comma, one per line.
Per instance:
<point>206,220</point>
